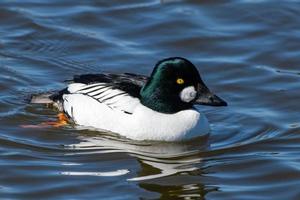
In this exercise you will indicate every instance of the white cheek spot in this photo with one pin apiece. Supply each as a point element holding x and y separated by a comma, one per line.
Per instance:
<point>188,94</point>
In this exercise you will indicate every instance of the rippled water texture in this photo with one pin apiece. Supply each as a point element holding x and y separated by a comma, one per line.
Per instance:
<point>247,51</point>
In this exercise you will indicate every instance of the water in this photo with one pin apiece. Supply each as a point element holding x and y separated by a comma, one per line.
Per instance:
<point>247,52</point>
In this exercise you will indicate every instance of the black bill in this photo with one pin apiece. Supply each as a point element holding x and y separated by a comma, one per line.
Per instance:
<point>206,97</point>
<point>210,99</point>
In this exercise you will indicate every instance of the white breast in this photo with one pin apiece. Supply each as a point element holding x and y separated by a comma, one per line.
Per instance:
<point>142,124</point>
<point>169,127</point>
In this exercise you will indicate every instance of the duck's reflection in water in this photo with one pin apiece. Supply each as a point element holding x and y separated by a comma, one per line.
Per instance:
<point>164,166</point>
<point>178,191</point>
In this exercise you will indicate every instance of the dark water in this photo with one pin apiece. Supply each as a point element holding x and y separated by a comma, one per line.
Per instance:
<point>248,52</point>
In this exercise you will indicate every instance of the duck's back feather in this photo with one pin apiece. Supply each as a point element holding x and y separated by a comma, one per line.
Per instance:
<point>117,91</point>
<point>127,82</point>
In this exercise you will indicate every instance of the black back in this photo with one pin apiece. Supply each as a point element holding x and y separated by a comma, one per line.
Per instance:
<point>127,82</point>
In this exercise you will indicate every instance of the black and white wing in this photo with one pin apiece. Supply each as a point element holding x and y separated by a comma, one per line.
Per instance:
<point>117,91</point>
<point>128,82</point>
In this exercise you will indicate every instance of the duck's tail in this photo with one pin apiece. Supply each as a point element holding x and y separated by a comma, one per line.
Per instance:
<point>44,98</point>
<point>54,99</point>
<point>51,100</point>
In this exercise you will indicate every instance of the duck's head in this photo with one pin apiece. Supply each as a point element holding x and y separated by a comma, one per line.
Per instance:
<point>175,84</point>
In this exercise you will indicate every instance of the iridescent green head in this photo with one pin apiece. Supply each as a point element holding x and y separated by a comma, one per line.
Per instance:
<point>175,84</point>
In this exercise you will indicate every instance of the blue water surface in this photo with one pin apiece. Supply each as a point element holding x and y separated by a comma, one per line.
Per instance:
<point>247,53</point>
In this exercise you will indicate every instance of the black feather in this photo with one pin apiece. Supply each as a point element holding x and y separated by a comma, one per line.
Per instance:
<point>127,82</point>
<point>58,96</point>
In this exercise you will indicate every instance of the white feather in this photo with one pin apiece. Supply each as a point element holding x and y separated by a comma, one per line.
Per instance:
<point>100,90</point>
<point>188,94</point>
<point>74,87</point>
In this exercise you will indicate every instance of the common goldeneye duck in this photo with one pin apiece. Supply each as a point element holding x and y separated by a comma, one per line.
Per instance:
<point>159,107</point>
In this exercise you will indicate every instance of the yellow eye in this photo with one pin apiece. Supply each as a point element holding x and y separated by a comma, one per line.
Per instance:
<point>180,81</point>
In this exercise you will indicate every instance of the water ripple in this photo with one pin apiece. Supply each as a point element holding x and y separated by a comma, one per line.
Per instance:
<point>246,51</point>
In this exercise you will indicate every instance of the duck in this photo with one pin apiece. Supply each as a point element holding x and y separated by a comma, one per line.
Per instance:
<point>161,107</point>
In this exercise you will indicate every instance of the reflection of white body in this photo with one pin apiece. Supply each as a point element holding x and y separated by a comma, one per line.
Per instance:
<point>141,124</point>
<point>156,155</point>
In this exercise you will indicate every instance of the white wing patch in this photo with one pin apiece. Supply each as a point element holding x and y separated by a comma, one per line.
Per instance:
<point>106,94</point>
